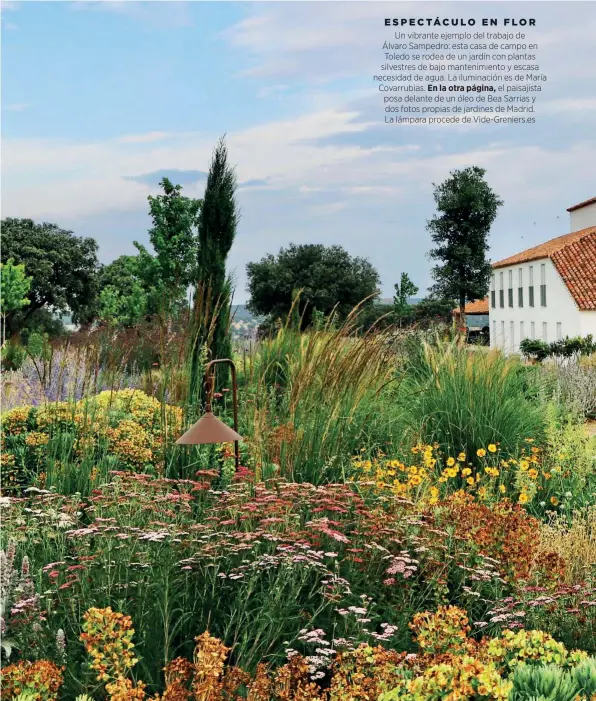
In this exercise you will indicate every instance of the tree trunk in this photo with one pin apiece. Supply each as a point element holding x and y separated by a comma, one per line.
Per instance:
<point>462,311</point>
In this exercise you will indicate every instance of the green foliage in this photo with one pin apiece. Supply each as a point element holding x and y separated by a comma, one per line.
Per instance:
<point>323,388</point>
<point>328,277</point>
<point>217,224</point>
<point>565,348</point>
<point>14,286</point>
<point>465,399</point>
<point>584,676</point>
<point>379,317</point>
<point>433,310</point>
<point>120,309</point>
<point>404,289</point>
<point>167,275</point>
<point>63,269</point>
<point>467,209</point>
<point>13,354</point>
<point>543,683</point>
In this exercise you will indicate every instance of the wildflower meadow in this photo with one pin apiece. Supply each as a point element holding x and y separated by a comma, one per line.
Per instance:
<point>412,519</point>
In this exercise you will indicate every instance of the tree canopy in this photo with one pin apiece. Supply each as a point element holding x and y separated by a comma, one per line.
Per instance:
<point>328,278</point>
<point>14,288</point>
<point>404,289</point>
<point>122,298</point>
<point>467,208</point>
<point>63,269</point>
<point>167,275</point>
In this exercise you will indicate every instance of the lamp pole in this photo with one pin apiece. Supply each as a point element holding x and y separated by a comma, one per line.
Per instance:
<point>209,381</point>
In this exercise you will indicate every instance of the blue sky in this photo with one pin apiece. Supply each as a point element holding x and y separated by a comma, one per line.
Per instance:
<point>101,99</point>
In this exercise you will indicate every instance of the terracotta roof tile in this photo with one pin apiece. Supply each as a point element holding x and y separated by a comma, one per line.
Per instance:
<point>480,306</point>
<point>576,264</point>
<point>574,257</point>
<point>544,250</point>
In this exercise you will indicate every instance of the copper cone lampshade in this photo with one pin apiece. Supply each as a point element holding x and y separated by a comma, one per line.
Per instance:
<point>208,429</point>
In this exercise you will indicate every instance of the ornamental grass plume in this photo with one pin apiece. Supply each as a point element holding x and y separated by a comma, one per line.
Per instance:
<point>574,542</point>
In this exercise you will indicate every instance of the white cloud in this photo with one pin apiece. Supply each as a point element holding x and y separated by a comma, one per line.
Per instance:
<point>40,175</point>
<point>15,107</point>
<point>156,13</point>
<point>145,138</point>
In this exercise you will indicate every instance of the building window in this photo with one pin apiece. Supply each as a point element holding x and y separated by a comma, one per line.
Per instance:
<point>544,331</point>
<point>494,338</point>
<point>521,331</point>
<point>503,334</point>
<point>510,289</point>
<point>543,285</point>
<point>520,296</point>
<point>501,291</point>
<point>532,330</point>
<point>559,330</point>
<point>512,336</point>
<point>531,286</point>
<point>493,294</point>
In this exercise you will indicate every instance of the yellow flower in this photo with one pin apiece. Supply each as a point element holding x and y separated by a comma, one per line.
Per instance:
<point>523,498</point>
<point>415,480</point>
<point>492,448</point>
<point>554,501</point>
<point>450,461</point>
<point>482,492</point>
<point>481,452</point>
<point>533,473</point>
<point>451,472</point>
<point>466,471</point>
<point>524,464</point>
<point>434,491</point>
<point>502,488</point>
<point>470,480</point>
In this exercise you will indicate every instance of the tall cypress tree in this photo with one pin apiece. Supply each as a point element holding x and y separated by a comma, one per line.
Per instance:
<point>217,223</point>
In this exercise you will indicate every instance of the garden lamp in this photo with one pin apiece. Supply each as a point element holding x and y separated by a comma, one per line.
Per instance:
<point>210,429</point>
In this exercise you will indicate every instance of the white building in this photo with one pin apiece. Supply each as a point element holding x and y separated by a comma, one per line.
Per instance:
<point>547,292</point>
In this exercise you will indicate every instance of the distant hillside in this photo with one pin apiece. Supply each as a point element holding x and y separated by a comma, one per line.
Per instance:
<point>241,313</point>
<point>389,300</point>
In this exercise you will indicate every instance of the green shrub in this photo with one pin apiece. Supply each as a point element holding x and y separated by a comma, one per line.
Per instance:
<point>465,399</point>
<point>584,676</point>
<point>543,683</point>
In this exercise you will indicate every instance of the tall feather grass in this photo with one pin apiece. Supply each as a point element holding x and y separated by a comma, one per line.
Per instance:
<point>464,399</point>
<point>316,399</point>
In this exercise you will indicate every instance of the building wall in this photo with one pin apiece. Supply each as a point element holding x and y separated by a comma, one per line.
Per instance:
<point>509,325</point>
<point>588,323</point>
<point>583,218</point>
